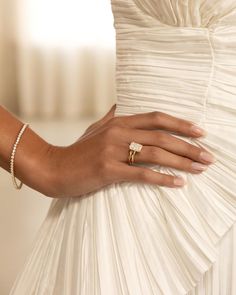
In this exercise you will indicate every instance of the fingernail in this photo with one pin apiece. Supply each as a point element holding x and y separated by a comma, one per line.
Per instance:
<point>198,166</point>
<point>207,157</point>
<point>179,181</point>
<point>197,130</point>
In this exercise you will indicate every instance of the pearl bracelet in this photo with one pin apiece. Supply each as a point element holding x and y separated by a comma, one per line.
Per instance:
<point>13,157</point>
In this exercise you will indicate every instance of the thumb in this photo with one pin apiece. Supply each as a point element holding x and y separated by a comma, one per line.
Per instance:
<point>100,122</point>
<point>109,115</point>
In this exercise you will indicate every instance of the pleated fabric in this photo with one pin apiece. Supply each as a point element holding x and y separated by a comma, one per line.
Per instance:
<point>178,57</point>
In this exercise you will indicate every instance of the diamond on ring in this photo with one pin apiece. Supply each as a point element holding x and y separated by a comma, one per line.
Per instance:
<point>136,147</point>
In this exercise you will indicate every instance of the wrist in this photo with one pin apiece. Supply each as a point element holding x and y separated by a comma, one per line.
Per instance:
<point>41,173</point>
<point>32,162</point>
<point>51,174</point>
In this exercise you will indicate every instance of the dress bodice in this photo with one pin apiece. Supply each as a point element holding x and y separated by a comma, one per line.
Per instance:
<point>179,57</point>
<point>189,13</point>
<point>181,13</point>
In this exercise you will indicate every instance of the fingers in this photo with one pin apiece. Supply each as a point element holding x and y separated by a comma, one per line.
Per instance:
<point>156,155</point>
<point>169,143</point>
<point>150,154</point>
<point>159,120</point>
<point>147,175</point>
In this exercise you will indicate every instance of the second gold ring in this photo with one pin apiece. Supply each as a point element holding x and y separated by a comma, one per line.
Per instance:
<point>134,147</point>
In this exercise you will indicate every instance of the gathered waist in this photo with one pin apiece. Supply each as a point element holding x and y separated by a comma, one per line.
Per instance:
<point>188,72</point>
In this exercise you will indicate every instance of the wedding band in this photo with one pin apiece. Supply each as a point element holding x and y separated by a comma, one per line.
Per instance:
<point>131,157</point>
<point>134,148</point>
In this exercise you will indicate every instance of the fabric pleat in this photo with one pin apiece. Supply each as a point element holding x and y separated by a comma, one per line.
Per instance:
<point>177,57</point>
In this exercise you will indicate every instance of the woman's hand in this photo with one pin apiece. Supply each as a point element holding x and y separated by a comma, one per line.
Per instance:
<point>99,157</point>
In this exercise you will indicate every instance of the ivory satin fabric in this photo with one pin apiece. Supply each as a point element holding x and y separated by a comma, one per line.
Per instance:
<point>177,57</point>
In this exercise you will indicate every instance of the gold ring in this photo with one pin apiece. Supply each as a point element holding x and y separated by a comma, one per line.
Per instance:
<point>134,148</point>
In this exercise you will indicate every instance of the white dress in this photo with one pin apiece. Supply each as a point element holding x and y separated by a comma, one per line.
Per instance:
<point>178,57</point>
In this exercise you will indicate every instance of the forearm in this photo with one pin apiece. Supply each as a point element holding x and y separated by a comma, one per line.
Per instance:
<point>31,159</point>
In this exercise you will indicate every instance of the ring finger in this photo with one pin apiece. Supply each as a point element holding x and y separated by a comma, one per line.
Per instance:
<point>171,144</point>
<point>157,155</point>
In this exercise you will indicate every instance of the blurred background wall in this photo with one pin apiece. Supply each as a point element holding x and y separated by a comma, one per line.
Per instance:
<point>57,57</point>
<point>57,72</point>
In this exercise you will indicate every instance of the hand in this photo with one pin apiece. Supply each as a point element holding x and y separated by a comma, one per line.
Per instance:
<point>99,156</point>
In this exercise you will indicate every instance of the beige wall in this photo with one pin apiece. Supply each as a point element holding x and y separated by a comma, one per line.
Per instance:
<point>8,87</point>
<point>39,81</point>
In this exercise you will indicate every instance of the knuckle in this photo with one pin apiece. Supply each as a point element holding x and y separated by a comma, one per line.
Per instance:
<point>183,126</point>
<point>114,121</point>
<point>154,153</point>
<point>187,165</point>
<point>179,125</point>
<point>162,179</point>
<point>166,180</point>
<point>184,164</point>
<point>162,138</point>
<point>112,131</point>
<point>105,168</point>
<point>156,116</point>
<point>108,150</point>
<point>190,150</point>
<point>144,175</point>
